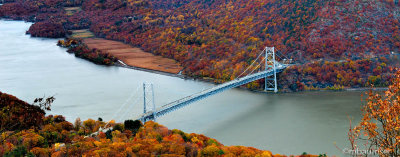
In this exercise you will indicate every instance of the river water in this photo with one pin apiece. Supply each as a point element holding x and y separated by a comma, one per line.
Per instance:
<point>288,123</point>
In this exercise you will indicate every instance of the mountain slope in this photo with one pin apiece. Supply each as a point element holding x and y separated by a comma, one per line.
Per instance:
<point>220,38</point>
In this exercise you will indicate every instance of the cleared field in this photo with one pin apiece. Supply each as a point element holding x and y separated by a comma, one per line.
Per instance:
<point>132,56</point>
<point>84,33</point>
<point>71,10</point>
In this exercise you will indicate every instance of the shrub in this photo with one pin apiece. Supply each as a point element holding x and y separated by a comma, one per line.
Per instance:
<point>132,125</point>
<point>19,151</point>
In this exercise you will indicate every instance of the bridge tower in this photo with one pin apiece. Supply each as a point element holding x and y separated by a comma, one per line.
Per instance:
<point>148,98</point>
<point>270,63</point>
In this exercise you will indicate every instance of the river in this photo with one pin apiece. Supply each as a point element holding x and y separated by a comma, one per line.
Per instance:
<point>287,123</point>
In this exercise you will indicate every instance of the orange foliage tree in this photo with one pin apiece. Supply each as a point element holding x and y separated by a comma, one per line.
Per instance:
<point>380,122</point>
<point>16,114</point>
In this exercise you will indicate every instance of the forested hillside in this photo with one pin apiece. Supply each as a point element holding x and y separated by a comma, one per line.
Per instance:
<point>26,131</point>
<point>338,44</point>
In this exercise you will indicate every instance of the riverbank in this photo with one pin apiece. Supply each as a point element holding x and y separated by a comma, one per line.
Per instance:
<point>135,58</point>
<point>207,48</point>
<point>367,89</point>
<point>131,57</point>
<point>126,56</point>
<point>107,52</point>
<point>152,66</point>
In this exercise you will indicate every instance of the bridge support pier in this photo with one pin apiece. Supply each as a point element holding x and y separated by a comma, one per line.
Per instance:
<point>271,83</point>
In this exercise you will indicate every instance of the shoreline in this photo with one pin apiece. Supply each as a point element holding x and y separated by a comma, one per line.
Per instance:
<point>367,89</point>
<point>208,80</point>
<point>117,64</point>
<point>185,77</point>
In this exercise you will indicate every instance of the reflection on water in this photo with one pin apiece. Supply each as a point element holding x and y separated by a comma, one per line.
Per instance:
<point>283,123</point>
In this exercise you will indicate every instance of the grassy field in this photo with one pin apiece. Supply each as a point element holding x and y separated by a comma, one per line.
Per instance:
<point>84,33</point>
<point>133,56</point>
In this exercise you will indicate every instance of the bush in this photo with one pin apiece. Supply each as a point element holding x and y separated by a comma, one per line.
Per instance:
<point>19,151</point>
<point>119,127</point>
<point>132,125</point>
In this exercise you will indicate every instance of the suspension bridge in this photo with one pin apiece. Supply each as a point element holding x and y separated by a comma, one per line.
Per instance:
<point>272,67</point>
<point>272,61</point>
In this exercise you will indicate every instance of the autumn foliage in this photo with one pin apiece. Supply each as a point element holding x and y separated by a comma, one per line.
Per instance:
<point>47,29</point>
<point>16,114</point>
<point>53,136</point>
<point>219,39</point>
<point>81,50</point>
<point>380,124</point>
<point>375,72</point>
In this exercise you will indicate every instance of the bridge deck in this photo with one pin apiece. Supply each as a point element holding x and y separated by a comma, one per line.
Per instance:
<point>208,92</point>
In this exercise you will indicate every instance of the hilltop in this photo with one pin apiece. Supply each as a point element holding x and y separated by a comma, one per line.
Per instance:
<point>336,44</point>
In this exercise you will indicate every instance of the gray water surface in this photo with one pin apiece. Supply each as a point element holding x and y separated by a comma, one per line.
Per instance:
<point>290,123</point>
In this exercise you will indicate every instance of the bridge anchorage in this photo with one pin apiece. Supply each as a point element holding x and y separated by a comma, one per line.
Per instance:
<point>271,67</point>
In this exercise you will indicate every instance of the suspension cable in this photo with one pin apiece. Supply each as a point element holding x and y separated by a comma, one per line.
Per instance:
<point>251,63</point>
<point>129,109</point>
<point>258,65</point>
<point>123,105</point>
<point>283,55</point>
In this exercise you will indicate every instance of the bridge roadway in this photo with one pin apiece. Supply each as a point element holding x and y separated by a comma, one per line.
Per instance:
<point>151,115</point>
